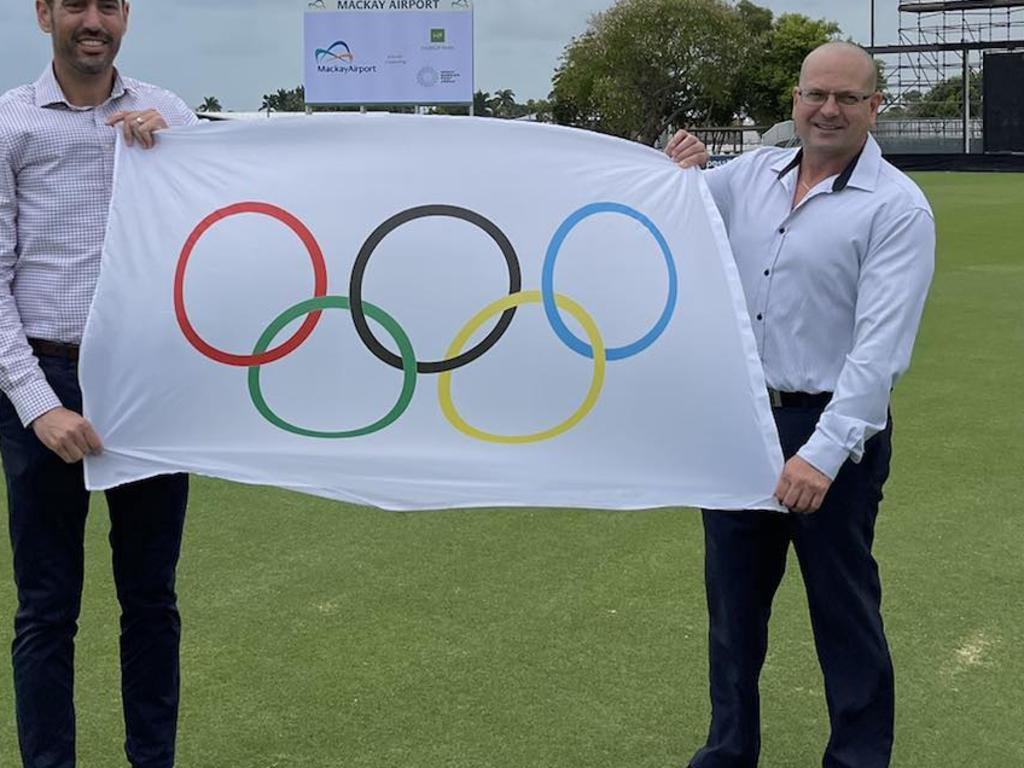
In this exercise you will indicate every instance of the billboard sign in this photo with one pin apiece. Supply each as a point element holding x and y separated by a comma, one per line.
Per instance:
<point>389,52</point>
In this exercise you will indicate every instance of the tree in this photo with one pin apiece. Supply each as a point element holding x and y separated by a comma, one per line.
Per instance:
<point>756,20</point>
<point>210,104</point>
<point>503,103</point>
<point>643,66</point>
<point>540,109</point>
<point>482,104</point>
<point>285,100</point>
<point>766,89</point>
<point>943,101</point>
<point>947,98</point>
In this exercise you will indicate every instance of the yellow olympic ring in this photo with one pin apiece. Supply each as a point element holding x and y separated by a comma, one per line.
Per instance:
<point>444,381</point>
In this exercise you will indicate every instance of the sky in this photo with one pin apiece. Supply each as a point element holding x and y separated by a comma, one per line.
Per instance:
<point>237,50</point>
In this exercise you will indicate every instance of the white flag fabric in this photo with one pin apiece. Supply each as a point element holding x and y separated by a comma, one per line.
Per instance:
<point>423,312</point>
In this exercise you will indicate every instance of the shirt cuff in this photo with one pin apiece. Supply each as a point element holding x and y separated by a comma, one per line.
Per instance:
<point>32,400</point>
<point>824,454</point>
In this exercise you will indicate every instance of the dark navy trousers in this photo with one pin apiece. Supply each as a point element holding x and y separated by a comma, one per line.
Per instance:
<point>745,557</point>
<point>47,506</point>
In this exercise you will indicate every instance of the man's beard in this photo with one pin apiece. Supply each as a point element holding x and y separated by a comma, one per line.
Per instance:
<point>90,65</point>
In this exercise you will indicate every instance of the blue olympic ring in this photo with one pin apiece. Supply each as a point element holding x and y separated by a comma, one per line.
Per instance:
<point>548,283</point>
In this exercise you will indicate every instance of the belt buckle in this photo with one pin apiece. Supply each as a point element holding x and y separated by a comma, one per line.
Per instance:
<point>775,397</point>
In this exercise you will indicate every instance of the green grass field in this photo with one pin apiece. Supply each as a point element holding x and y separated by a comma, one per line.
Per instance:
<point>319,634</point>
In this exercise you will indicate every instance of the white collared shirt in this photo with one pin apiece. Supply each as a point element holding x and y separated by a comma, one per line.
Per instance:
<point>835,288</point>
<point>56,178</point>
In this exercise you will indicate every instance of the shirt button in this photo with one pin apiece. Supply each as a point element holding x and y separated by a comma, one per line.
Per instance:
<point>782,230</point>
<point>767,272</point>
<point>760,316</point>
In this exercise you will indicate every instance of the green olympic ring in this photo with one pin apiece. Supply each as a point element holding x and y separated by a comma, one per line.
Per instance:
<point>336,302</point>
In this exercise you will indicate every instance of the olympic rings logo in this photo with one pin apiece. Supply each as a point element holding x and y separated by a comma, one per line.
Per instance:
<point>405,360</point>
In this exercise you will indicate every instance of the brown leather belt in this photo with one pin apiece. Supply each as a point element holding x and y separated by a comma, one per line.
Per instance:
<point>798,399</point>
<point>54,349</point>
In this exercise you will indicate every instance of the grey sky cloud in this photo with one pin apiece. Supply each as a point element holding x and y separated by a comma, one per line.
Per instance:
<point>238,50</point>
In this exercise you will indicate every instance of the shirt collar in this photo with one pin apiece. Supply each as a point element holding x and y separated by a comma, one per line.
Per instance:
<point>787,162</point>
<point>48,91</point>
<point>866,167</point>
<point>861,172</point>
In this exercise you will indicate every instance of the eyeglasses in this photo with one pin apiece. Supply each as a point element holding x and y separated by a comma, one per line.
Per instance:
<point>844,98</point>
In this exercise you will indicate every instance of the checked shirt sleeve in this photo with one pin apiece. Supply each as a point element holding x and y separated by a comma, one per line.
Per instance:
<point>20,376</point>
<point>175,111</point>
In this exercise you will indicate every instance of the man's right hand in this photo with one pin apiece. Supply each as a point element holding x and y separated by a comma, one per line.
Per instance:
<point>67,434</point>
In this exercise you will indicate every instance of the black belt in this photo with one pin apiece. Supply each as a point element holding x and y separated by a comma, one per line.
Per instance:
<point>798,399</point>
<point>54,349</point>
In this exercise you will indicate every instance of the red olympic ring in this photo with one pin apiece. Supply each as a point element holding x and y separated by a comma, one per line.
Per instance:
<point>319,286</point>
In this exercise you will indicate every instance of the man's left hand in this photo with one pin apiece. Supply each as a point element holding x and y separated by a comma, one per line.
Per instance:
<point>139,126</point>
<point>801,488</point>
<point>686,150</point>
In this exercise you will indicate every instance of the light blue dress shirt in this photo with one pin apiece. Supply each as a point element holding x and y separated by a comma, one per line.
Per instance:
<point>835,287</point>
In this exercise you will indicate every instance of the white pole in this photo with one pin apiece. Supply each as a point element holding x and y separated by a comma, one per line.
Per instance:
<point>967,102</point>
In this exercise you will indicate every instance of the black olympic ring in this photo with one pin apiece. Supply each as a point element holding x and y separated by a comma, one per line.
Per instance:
<point>355,291</point>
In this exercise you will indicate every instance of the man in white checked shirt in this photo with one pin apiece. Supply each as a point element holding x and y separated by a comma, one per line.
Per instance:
<point>57,140</point>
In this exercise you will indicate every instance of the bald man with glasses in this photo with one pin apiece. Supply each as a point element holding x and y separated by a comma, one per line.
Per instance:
<point>835,249</point>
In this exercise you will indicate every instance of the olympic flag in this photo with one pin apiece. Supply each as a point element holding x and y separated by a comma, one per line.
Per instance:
<point>421,312</point>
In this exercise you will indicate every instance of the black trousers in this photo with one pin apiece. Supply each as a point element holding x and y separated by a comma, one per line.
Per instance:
<point>745,557</point>
<point>47,506</point>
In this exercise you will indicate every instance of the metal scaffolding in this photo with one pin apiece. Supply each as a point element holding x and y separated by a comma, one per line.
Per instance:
<point>941,47</point>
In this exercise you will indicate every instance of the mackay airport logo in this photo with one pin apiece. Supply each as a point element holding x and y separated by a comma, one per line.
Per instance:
<point>338,57</point>
<point>338,51</point>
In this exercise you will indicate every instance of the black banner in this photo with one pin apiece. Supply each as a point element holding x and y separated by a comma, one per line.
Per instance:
<point>1004,102</point>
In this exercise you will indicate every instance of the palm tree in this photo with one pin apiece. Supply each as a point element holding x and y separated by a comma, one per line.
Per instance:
<point>504,102</point>
<point>482,104</point>
<point>210,104</point>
